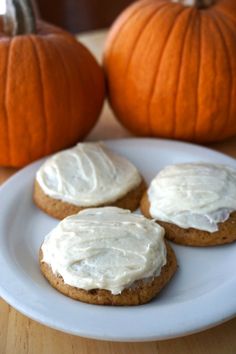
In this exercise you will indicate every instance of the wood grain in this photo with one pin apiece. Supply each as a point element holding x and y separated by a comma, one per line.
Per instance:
<point>20,335</point>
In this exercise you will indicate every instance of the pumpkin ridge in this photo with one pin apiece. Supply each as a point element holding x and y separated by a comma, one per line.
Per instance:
<point>182,10</point>
<point>232,31</point>
<point>67,82</point>
<point>155,77</point>
<point>231,27</point>
<point>227,54</point>
<point>138,37</point>
<point>206,126</point>
<point>27,135</point>
<point>221,12</point>
<point>191,16</point>
<point>137,9</point>
<point>199,75</point>
<point>153,14</point>
<point>231,66</point>
<point>34,46</point>
<point>5,101</point>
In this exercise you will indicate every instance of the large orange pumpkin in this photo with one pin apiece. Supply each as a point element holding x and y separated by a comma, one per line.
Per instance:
<point>171,69</point>
<point>52,89</point>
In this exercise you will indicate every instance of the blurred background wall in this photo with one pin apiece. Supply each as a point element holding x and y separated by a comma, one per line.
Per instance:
<point>81,15</point>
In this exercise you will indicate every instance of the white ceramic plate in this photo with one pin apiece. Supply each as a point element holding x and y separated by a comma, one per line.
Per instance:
<point>201,295</point>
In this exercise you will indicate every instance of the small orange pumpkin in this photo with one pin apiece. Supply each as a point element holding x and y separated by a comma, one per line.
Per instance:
<point>52,89</point>
<point>171,69</point>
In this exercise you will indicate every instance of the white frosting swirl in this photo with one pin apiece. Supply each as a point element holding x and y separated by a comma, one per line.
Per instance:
<point>106,248</point>
<point>89,174</point>
<point>198,195</point>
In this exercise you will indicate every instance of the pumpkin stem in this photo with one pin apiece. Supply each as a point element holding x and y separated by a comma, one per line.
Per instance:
<point>19,18</point>
<point>200,4</point>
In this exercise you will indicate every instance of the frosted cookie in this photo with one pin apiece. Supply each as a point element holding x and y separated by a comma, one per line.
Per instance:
<point>87,175</point>
<point>194,202</point>
<point>107,256</point>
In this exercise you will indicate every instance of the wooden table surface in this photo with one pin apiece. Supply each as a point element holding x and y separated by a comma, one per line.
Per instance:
<point>20,335</point>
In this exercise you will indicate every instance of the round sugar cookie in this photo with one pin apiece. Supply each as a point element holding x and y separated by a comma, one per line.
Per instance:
<point>87,175</point>
<point>194,237</point>
<point>141,292</point>
<point>194,202</point>
<point>107,256</point>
